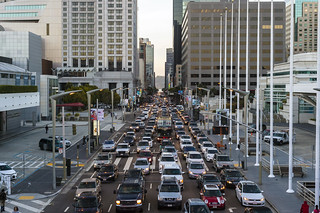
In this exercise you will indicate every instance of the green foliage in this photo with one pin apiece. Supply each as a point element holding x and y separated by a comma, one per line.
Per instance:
<point>77,114</point>
<point>17,89</point>
<point>68,114</point>
<point>151,90</point>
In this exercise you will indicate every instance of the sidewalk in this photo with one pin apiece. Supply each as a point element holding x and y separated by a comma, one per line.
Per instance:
<point>274,188</point>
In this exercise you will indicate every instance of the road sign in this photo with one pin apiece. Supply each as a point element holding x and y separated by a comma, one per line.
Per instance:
<point>60,150</point>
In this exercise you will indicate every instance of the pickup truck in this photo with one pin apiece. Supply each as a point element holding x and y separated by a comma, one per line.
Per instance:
<point>280,137</point>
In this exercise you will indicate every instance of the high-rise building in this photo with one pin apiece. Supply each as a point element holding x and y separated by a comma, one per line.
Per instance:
<point>201,42</point>
<point>146,63</point>
<point>169,71</point>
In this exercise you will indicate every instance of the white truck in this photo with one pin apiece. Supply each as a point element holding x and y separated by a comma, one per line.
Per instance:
<point>280,137</point>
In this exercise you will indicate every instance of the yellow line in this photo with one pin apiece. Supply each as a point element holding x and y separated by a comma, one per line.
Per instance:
<point>26,197</point>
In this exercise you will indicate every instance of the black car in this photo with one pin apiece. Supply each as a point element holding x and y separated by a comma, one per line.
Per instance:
<point>209,179</point>
<point>108,172</point>
<point>165,142</point>
<point>130,195</point>
<point>230,177</point>
<point>257,210</point>
<point>134,174</point>
<point>129,140</point>
<point>187,149</point>
<point>87,202</point>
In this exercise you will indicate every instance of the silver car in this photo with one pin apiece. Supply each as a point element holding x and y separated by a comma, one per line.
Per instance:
<point>89,185</point>
<point>171,150</point>
<point>123,149</point>
<point>143,145</point>
<point>143,164</point>
<point>108,145</point>
<point>195,169</point>
<point>101,160</point>
<point>169,193</point>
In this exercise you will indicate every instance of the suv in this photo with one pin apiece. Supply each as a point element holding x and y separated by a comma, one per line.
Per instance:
<point>88,202</point>
<point>173,170</point>
<point>130,195</point>
<point>123,149</point>
<point>108,145</point>
<point>46,144</point>
<point>92,185</point>
<point>221,162</point>
<point>101,160</point>
<point>169,193</point>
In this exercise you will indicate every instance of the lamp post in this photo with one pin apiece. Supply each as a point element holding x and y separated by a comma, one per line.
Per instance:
<point>88,151</point>
<point>208,106</point>
<point>245,95</point>
<point>247,75</point>
<point>317,147</point>
<point>238,78</point>
<point>53,99</point>
<point>112,91</point>
<point>220,63</point>
<point>225,58</point>
<point>231,73</point>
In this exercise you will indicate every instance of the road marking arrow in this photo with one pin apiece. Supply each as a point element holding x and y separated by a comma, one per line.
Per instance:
<point>231,209</point>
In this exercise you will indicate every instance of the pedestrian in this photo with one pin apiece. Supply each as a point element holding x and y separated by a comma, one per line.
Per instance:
<point>15,210</point>
<point>304,207</point>
<point>134,115</point>
<point>316,210</point>
<point>47,128</point>
<point>84,140</point>
<point>3,198</point>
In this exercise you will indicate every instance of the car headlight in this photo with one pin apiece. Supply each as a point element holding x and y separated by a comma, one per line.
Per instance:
<point>204,172</point>
<point>160,198</point>
<point>149,159</point>
<point>223,187</point>
<point>147,169</point>
<point>206,201</point>
<point>245,198</point>
<point>118,202</point>
<point>139,201</point>
<point>78,195</point>
<point>190,172</point>
<point>127,151</point>
<point>181,181</point>
<point>229,182</point>
<point>222,201</point>
<point>99,176</point>
<point>179,198</point>
<point>262,199</point>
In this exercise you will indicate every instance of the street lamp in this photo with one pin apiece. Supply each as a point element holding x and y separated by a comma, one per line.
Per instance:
<point>88,151</point>
<point>208,106</point>
<point>112,105</point>
<point>53,99</point>
<point>245,95</point>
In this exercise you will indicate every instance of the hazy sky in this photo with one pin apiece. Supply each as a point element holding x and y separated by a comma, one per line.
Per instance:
<point>155,23</point>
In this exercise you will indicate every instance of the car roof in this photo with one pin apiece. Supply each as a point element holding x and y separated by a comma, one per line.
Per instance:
<point>88,180</point>
<point>247,182</point>
<point>196,201</point>
<point>172,166</point>
<point>142,159</point>
<point>167,154</point>
<point>194,152</point>
<point>123,144</point>
<point>211,187</point>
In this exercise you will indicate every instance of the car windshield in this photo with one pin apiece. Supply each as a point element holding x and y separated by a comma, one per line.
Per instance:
<point>251,189</point>
<point>233,173</point>
<point>186,142</point>
<point>87,202</point>
<point>207,145</point>
<point>196,129</point>
<point>195,156</point>
<point>123,146</point>
<point>172,172</point>
<point>212,193</point>
<point>199,209</point>
<point>169,150</point>
<point>169,188</point>
<point>179,123</point>
<point>145,154</point>
<point>129,189</point>
<point>141,162</point>
<point>210,178</point>
<point>181,132</point>
<point>87,185</point>
<point>185,137</point>
<point>130,134</point>
<point>146,138</point>
<point>106,169</point>
<point>188,148</point>
<point>143,144</point>
<point>201,135</point>
<point>134,124</point>
<point>212,151</point>
<point>5,167</point>
<point>167,159</point>
<point>103,157</point>
<point>278,134</point>
<point>128,138</point>
<point>223,158</point>
<point>108,142</point>
<point>196,166</point>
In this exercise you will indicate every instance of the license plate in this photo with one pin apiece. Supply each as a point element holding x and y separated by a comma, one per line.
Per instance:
<point>169,205</point>
<point>254,202</point>
<point>214,206</point>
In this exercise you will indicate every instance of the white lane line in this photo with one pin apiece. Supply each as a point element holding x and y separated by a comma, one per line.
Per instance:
<point>118,187</point>
<point>8,209</point>
<point>39,164</point>
<point>153,166</point>
<point>148,207</point>
<point>11,163</point>
<point>24,206</point>
<point>17,164</point>
<point>39,202</point>
<point>30,165</point>
<point>66,209</point>
<point>93,174</point>
<point>150,185</point>
<point>110,207</point>
<point>117,161</point>
<point>32,159</point>
<point>128,163</point>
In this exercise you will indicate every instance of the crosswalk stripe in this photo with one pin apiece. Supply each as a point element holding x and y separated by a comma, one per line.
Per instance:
<point>24,206</point>
<point>153,166</point>
<point>33,163</point>
<point>117,161</point>
<point>11,163</point>
<point>39,202</point>
<point>128,163</point>
<point>16,165</point>
<point>8,209</point>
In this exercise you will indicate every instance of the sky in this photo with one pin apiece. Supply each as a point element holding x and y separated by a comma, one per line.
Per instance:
<point>155,23</point>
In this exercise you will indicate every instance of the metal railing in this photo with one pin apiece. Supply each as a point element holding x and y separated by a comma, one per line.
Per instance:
<point>303,189</point>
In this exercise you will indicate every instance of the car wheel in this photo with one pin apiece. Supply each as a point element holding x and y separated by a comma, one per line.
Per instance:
<point>281,143</point>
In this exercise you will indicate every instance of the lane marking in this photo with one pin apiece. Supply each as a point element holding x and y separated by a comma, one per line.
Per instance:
<point>118,187</point>
<point>39,202</point>
<point>24,206</point>
<point>66,209</point>
<point>117,161</point>
<point>148,207</point>
<point>110,207</point>
<point>128,163</point>
<point>150,185</point>
<point>153,166</point>
<point>95,172</point>
<point>17,164</point>
<point>231,209</point>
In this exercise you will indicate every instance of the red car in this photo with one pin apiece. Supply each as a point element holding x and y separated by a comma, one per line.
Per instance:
<point>212,196</point>
<point>146,154</point>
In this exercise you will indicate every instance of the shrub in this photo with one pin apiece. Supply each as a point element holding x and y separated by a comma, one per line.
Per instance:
<point>17,89</point>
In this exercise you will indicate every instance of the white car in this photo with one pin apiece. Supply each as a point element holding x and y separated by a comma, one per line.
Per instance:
<point>143,164</point>
<point>147,138</point>
<point>165,159</point>
<point>185,143</point>
<point>60,138</point>
<point>205,145</point>
<point>171,150</point>
<point>249,194</point>
<point>133,134</point>
<point>209,153</point>
<point>123,149</point>
<point>194,156</point>
<point>143,145</point>
<point>185,138</point>
<point>7,170</point>
<point>108,145</point>
<point>173,170</point>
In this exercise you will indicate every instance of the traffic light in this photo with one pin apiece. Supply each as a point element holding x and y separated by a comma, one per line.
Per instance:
<point>74,129</point>
<point>224,120</point>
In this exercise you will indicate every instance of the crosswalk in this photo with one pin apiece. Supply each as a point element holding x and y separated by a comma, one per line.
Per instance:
<point>27,206</point>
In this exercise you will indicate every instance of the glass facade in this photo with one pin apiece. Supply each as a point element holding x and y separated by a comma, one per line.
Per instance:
<point>298,8</point>
<point>25,7</point>
<point>22,14</point>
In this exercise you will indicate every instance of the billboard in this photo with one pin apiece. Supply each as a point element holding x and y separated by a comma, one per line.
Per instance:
<point>97,116</point>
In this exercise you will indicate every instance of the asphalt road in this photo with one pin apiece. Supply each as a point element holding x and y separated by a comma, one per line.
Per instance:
<point>63,202</point>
